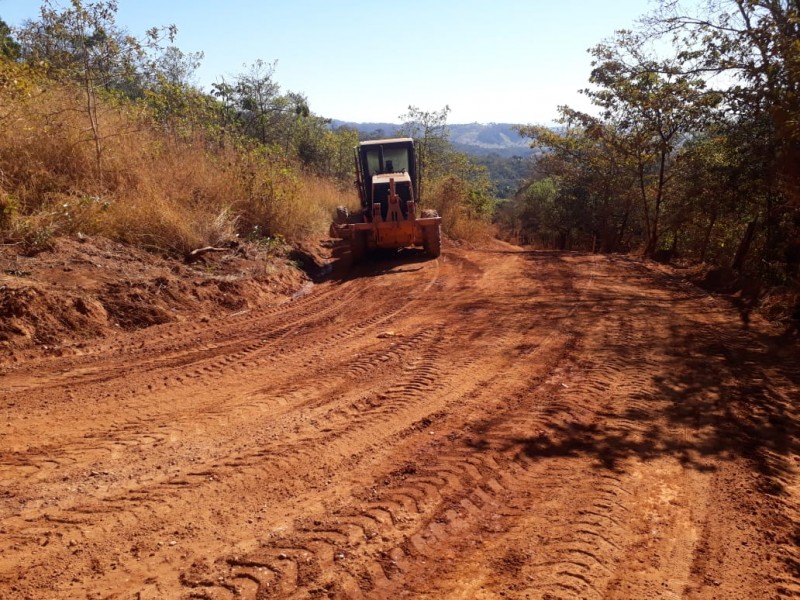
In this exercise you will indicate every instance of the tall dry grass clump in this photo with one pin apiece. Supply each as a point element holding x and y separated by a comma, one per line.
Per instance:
<point>450,196</point>
<point>321,197</point>
<point>140,184</point>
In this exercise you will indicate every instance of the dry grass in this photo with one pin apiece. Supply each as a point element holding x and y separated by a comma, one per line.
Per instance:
<point>472,230</point>
<point>161,190</point>
<point>150,188</point>
<point>320,198</point>
<point>449,196</point>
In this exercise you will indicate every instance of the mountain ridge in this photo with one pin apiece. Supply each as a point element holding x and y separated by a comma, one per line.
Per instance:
<point>479,139</point>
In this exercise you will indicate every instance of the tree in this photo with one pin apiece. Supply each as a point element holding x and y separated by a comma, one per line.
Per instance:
<point>543,211</point>
<point>653,105</point>
<point>84,45</point>
<point>596,170</point>
<point>167,82</point>
<point>429,130</point>
<point>648,109</point>
<point>176,67</point>
<point>340,143</point>
<point>253,106</point>
<point>257,97</point>
<point>507,173</point>
<point>753,43</point>
<point>9,47</point>
<point>447,180</point>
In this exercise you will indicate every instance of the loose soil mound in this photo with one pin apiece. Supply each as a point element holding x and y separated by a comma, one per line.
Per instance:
<point>55,301</point>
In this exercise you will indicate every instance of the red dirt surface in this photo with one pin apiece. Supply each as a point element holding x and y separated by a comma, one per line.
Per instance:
<point>494,423</point>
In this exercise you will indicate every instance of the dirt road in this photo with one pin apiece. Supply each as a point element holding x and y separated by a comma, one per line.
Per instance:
<point>495,423</point>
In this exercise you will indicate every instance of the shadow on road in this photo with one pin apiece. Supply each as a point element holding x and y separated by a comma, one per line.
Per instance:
<point>709,389</point>
<point>377,263</point>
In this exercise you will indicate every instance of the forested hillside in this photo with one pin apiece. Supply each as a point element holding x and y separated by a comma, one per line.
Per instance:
<point>477,139</point>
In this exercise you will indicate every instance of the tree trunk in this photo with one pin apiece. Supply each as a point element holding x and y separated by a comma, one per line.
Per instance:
<point>645,207</point>
<point>562,240</point>
<point>704,248</point>
<point>624,224</point>
<point>673,250</point>
<point>91,112</point>
<point>607,233</point>
<point>652,241</point>
<point>744,246</point>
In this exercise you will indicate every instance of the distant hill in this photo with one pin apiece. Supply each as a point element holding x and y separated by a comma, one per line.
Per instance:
<point>472,138</point>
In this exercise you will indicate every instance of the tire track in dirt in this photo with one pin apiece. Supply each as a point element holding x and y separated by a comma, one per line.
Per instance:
<point>173,350</point>
<point>256,333</point>
<point>453,481</point>
<point>139,432</point>
<point>394,397</point>
<point>744,409</point>
<point>525,425</point>
<point>578,556</point>
<point>379,531</point>
<point>627,439</point>
<point>135,432</point>
<point>731,388</point>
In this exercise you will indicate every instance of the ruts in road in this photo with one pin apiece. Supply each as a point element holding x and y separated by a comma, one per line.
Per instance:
<point>493,423</point>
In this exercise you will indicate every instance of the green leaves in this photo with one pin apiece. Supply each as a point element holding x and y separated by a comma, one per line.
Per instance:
<point>9,47</point>
<point>696,147</point>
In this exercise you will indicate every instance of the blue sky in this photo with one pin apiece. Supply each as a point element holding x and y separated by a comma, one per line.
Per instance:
<point>490,61</point>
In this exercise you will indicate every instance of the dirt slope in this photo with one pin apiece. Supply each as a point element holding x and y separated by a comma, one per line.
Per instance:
<point>55,302</point>
<point>495,423</point>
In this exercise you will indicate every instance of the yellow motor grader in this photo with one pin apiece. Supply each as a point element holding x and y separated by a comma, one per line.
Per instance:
<point>386,179</point>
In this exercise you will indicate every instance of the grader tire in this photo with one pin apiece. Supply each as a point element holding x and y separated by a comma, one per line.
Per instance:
<point>358,247</point>
<point>432,240</point>
<point>342,215</point>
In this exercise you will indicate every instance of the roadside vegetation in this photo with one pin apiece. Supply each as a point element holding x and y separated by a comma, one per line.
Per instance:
<point>693,155</point>
<point>103,133</point>
<point>450,181</point>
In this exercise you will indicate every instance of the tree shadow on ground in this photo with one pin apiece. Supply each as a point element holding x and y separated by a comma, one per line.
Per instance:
<point>717,391</point>
<point>697,386</point>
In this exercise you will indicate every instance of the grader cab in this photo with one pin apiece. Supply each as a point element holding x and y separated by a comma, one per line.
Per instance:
<point>389,216</point>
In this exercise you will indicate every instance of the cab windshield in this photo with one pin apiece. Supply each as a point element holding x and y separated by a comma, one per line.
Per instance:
<point>395,160</point>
